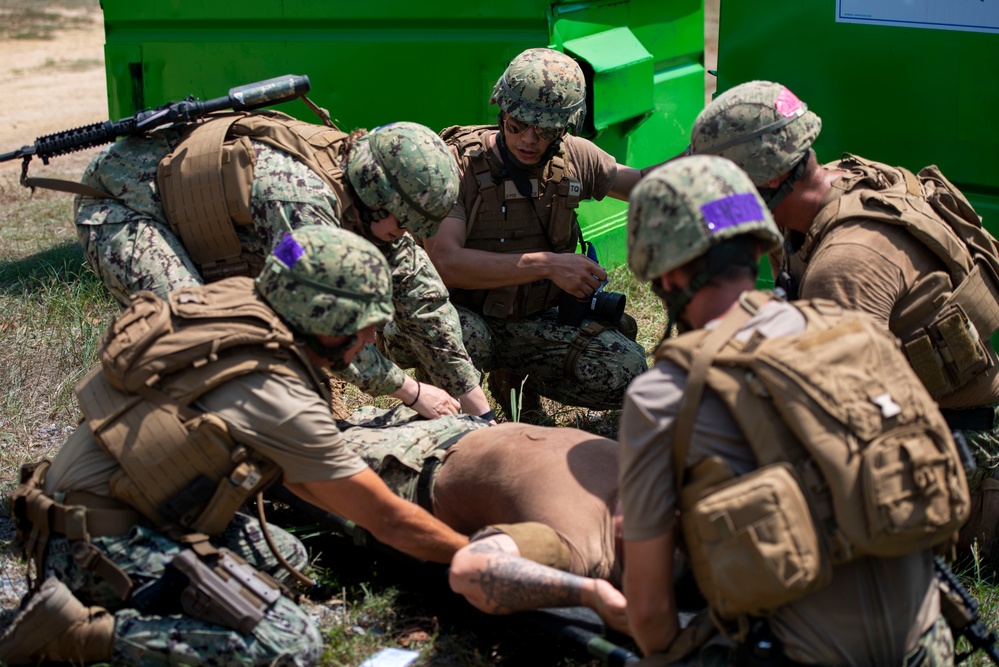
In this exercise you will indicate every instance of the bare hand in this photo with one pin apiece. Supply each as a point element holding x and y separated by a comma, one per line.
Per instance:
<point>576,274</point>
<point>611,606</point>
<point>435,402</point>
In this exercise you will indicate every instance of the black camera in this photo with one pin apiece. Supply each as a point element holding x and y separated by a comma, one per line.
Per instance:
<point>604,306</point>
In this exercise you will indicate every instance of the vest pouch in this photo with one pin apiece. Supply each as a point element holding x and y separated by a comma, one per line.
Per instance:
<point>563,216</point>
<point>169,468</point>
<point>753,544</point>
<point>500,302</point>
<point>915,492</point>
<point>948,352</point>
<point>238,159</point>
<point>192,187</point>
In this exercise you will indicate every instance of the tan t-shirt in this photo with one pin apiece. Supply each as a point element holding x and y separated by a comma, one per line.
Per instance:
<point>874,610</point>
<point>512,473</point>
<point>290,423</point>
<point>872,266</point>
<point>593,167</point>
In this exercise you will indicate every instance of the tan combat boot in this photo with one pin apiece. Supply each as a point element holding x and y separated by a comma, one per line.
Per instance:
<point>55,627</point>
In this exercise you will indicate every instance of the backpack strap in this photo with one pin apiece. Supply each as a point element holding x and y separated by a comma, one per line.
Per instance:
<point>697,379</point>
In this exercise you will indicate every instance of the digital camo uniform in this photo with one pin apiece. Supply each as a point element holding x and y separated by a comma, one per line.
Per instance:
<point>130,245</point>
<point>143,638</point>
<point>414,443</point>
<point>574,365</point>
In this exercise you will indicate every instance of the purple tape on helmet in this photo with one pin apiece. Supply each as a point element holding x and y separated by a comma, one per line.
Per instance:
<point>731,210</point>
<point>288,250</point>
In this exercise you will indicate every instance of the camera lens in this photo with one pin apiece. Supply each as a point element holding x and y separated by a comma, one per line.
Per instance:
<point>608,306</point>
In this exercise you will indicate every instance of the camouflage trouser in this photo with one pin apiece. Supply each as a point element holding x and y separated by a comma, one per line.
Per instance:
<point>984,446</point>
<point>983,522</point>
<point>397,443</point>
<point>286,635</point>
<point>537,347</point>
<point>128,241</point>
<point>720,652</point>
<point>424,332</point>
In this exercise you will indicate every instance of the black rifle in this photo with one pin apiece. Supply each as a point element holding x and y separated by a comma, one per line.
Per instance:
<point>960,610</point>
<point>242,98</point>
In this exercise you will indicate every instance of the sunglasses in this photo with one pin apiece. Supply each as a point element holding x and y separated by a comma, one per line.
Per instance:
<point>514,126</point>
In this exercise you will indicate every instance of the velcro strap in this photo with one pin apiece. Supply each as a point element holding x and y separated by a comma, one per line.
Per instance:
<point>586,333</point>
<point>92,559</point>
<point>978,296</point>
<point>78,522</point>
<point>926,362</point>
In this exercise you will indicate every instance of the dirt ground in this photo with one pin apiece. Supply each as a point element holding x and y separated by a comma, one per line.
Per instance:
<point>49,85</point>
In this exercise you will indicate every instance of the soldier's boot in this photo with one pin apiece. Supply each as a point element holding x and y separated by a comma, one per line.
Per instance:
<point>55,627</point>
<point>501,381</point>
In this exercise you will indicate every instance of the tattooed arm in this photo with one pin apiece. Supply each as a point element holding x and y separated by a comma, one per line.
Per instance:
<point>494,577</point>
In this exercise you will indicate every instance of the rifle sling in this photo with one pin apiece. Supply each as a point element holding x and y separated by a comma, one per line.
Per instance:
<point>71,187</point>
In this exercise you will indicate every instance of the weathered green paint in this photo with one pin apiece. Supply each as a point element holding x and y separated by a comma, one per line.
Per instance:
<point>905,96</point>
<point>433,62</point>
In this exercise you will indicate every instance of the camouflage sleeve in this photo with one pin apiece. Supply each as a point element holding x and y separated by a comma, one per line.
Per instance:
<point>426,319</point>
<point>373,373</point>
<point>285,195</point>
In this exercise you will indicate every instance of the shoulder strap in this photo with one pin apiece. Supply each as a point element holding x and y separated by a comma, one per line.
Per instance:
<point>697,379</point>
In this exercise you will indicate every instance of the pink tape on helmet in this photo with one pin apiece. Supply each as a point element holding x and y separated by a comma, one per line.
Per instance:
<point>787,103</point>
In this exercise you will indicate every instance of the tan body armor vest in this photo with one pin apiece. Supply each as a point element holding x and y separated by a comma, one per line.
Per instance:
<point>500,219</point>
<point>947,318</point>
<point>853,457</point>
<point>180,467</point>
<point>205,183</point>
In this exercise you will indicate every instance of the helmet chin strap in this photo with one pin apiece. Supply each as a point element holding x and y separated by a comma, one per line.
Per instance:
<point>678,298</point>
<point>774,196</point>
<point>324,351</point>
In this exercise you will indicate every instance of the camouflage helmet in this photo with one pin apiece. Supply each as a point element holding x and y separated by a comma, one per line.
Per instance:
<point>406,169</point>
<point>543,87</point>
<point>685,207</point>
<point>327,281</point>
<point>761,126</point>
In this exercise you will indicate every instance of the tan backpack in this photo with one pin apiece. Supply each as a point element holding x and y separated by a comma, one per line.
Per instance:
<point>948,316</point>
<point>854,457</point>
<point>179,466</point>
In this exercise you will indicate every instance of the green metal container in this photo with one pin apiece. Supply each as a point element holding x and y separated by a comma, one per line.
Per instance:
<point>433,62</point>
<point>903,95</point>
<point>908,96</point>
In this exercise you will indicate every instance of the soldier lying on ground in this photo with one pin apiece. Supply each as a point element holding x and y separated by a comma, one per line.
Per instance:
<point>538,501</point>
<point>200,402</point>
<point>196,202</point>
